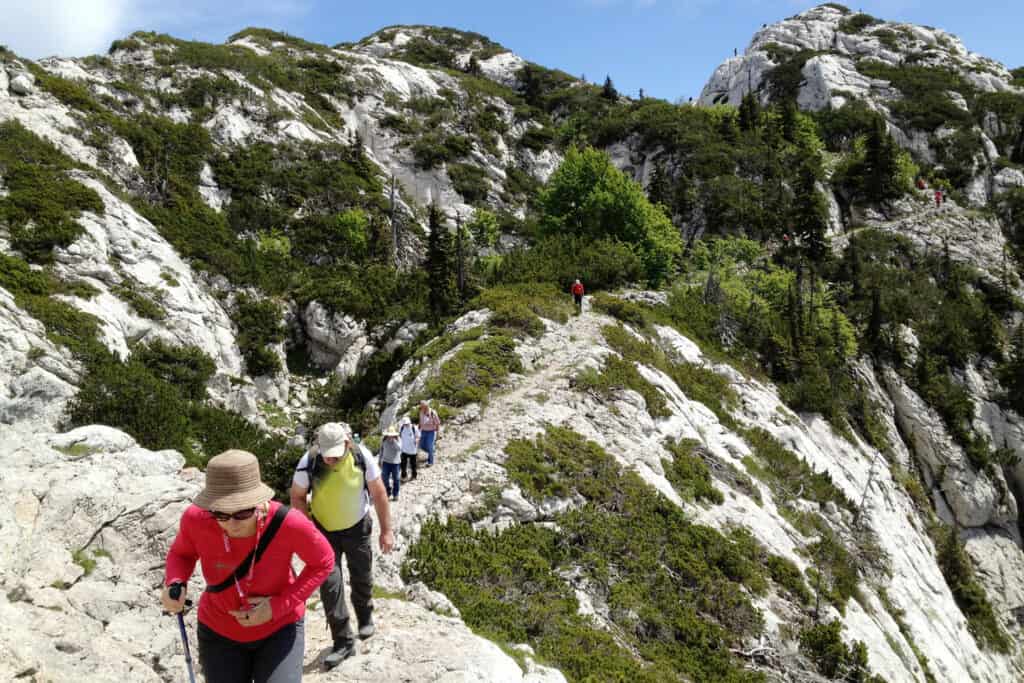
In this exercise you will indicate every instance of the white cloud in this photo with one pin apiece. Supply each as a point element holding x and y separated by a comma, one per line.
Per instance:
<point>39,28</point>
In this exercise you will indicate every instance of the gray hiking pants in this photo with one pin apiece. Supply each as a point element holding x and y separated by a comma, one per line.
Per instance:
<point>355,544</point>
<point>275,659</point>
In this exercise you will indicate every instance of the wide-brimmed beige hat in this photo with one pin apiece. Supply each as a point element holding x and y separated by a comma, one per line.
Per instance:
<point>392,430</point>
<point>233,483</point>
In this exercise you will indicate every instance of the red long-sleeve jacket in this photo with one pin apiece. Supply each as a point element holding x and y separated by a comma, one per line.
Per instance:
<point>577,289</point>
<point>201,538</point>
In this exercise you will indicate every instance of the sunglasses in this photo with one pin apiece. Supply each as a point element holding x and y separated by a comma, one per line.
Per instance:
<point>239,516</point>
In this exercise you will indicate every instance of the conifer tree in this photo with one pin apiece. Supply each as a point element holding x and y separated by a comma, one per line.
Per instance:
<point>1017,153</point>
<point>750,113</point>
<point>608,91</point>
<point>442,295</point>
<point>659,190</point>
<point>881,165</point>
<point>473,67</point>
<point>809,217</point>
<point>727,129</point>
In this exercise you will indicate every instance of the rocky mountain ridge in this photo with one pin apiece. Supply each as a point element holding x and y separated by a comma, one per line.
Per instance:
<point>211,243</point>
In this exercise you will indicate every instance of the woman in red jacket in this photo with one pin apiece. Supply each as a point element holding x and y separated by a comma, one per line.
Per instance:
<point>577,294</point>
<point>250,616</point>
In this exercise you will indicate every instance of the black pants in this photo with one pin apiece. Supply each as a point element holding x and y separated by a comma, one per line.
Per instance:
<point>354,543</point>
<point>409,459</point>
<point>275,659</point>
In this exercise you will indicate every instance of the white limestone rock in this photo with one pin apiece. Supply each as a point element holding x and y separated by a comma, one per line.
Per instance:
<point>92,439</point>
<point>22,83</point>
<point>1007,179</point>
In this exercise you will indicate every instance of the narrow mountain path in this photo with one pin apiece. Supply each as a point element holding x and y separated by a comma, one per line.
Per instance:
<point>467,459</point>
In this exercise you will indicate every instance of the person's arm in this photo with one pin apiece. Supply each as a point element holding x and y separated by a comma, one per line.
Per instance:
<point>315,552</point>
<point>380,503</point>
<point>181,562</point>
<point>297,495</point>
<point>300,486</point>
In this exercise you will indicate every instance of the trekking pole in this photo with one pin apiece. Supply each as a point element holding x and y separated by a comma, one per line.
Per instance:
<point>175,593</point>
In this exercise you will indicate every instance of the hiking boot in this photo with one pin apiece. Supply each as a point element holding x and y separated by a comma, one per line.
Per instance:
<point>339,654</point>
<point>366,630</point>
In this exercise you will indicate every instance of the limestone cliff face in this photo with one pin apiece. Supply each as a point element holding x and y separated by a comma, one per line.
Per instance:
<point>837,58</point>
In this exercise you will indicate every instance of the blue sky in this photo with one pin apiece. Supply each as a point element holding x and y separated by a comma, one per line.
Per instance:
<point>667,47</point>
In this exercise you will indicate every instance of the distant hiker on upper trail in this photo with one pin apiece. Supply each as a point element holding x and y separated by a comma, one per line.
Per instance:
<point>408,437</point>
<point>391,460</point>
<point>938,198</point>
<point>251,613</point>
<point>343,476</point>
<point>430,427</point>
<point>577,294</point>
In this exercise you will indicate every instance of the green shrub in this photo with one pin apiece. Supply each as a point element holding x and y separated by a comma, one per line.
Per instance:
<point>967,591</point>
<point>617,375</point>
<point>519,308</point>
<point>42,204</point>
<point>925,104</point>
<point>787,474</point>
<point>130,397</point>
<point>599,264</point>
<point>832,657</point>
<point>689,474</point>
<point>186,367</point>
<point>259,324</point>
<point>216,430</point>
<point>857,23</point>
<point>475,369</point>
<point>470,181</point>
<point>785,573</point>
<point>675,593</point>
<point>620,309</point>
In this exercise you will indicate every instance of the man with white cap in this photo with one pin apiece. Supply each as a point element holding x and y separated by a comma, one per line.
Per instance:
<point>344,478</point>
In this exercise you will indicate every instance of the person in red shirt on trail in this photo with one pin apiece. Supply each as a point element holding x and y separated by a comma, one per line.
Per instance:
<point>251,613</point>
<point>938,198</point>
<point>577,294</point>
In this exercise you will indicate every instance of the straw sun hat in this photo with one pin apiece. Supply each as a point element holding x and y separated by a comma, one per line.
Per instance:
<point>233,483</point>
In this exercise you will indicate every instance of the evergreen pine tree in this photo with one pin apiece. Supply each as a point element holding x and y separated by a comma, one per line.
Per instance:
<point>750,113</point>
<point>531,86</point>
<point>608,91</point>
<point>809,217</point>
<point>440,270</point>
<point>473,67</point>
<point>659,190</point>
<point>1017,153</point>
<point>727,128</point>
<point>789,120</point>
<point>881,165</point>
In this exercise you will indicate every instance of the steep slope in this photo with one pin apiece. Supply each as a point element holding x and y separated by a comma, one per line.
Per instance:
<point>895,561</point>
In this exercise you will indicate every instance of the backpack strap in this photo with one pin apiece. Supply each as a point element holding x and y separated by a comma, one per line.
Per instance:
<point>255,554</point>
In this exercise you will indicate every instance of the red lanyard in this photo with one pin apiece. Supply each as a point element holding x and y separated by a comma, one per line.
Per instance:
<point>252,565</point>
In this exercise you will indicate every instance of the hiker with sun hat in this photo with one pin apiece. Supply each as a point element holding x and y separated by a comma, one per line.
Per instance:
<point>251,613</point>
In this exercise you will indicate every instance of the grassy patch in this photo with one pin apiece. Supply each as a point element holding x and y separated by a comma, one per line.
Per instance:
<point>677,594</point>
<point>519,308</point>
<point>474,370</point>
<point>616,375</point>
